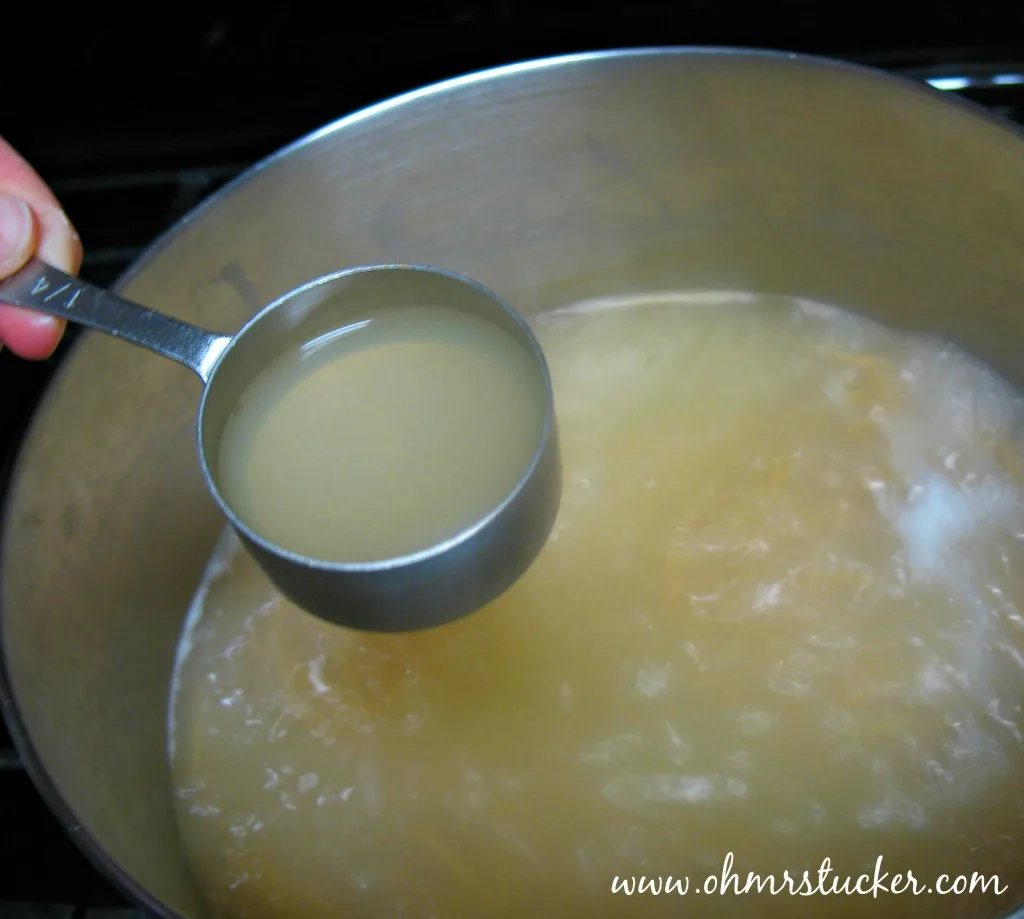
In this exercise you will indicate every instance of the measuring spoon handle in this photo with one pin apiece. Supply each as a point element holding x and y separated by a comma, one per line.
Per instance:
<point>40,287</point>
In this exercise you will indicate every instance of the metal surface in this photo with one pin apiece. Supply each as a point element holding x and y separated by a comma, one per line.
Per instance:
<point>550,182</point>
<point>437,585</point>
<point>443,582</point>
<point>41,287</point>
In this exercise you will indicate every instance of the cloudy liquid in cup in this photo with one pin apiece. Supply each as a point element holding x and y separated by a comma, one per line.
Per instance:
<point>780,614</point>
<point>384,437</point>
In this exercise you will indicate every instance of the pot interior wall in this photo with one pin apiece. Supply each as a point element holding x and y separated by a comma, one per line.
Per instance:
<point>550,183</point>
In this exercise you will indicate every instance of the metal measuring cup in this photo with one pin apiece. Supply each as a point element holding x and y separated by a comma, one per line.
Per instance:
<point>436,585</point>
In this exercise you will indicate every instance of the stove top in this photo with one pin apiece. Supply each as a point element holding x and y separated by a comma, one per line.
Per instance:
<point>125,173</point>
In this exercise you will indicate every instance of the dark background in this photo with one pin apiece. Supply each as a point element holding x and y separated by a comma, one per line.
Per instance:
<point>136,114</point>
<point>94,90</point>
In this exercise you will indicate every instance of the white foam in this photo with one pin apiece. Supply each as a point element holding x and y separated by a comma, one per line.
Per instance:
<point>635,791</point>
<point>659,298</point>
<point>941,517</point>
<point>220,561</point>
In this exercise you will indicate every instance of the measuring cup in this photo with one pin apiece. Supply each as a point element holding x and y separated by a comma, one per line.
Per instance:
<point>438,584</point>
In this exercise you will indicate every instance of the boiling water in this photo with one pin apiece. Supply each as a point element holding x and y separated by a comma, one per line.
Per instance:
<point>780,615</point>
<point>383,438</point>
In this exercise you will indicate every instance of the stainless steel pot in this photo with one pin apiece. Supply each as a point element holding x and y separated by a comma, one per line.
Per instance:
<point>547,182</point>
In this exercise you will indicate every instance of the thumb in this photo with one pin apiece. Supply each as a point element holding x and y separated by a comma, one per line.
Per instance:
<point>17,234</point>
<point>47,232</point>
<point>28,333</point>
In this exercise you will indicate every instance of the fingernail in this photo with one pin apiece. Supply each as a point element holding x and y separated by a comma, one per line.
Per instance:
<point>15,232</point>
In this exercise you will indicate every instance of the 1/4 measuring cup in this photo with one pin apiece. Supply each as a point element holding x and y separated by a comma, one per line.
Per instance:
<point>429,587</point>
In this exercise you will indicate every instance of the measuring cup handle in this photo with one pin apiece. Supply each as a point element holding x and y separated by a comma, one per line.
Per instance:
<point>40,287</point>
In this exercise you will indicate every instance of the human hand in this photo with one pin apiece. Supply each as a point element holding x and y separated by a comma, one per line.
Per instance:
<point>31,223</point>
